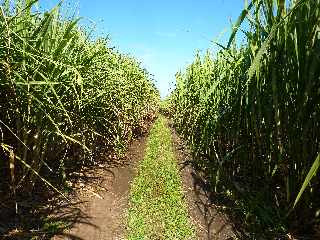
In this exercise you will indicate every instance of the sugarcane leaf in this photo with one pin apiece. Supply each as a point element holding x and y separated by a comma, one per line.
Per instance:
<point>312,172</point>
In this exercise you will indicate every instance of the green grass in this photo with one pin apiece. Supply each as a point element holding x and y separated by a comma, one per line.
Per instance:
<point>157,209</point>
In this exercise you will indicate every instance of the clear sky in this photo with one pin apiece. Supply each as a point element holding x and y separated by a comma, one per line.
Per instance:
<point>164,35</point>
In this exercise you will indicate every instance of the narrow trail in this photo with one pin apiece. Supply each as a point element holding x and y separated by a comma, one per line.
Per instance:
<point>166,200</point>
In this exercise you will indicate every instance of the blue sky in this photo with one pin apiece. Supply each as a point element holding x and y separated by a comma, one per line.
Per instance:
<point>163,35</point>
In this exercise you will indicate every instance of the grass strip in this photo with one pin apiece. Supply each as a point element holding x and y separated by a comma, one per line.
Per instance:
<point>157,210</point>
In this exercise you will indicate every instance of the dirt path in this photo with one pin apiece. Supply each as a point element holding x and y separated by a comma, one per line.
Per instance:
<point>209,222</point>
<point>106,209</point>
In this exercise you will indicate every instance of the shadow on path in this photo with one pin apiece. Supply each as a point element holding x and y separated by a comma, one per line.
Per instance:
<point>206,209</point>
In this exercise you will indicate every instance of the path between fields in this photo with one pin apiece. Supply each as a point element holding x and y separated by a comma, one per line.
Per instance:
<point>107,211</point>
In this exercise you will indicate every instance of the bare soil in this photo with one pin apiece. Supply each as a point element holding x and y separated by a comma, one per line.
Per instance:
<point>210,223</point>
<point>105,202</point>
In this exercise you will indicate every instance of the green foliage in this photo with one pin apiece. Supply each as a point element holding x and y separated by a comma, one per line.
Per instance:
<point>251,114</point>
<point>65,100</point>
<point>311,174</point>
<point>157,209</point>
<point>54,227</point>
<point>166,107</point>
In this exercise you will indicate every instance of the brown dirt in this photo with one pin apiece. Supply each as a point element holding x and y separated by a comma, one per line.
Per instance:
<point>210,223</point>
<point>104,204</point>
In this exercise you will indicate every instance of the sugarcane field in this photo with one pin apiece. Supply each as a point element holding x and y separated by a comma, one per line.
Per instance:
<point>159,120</point>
